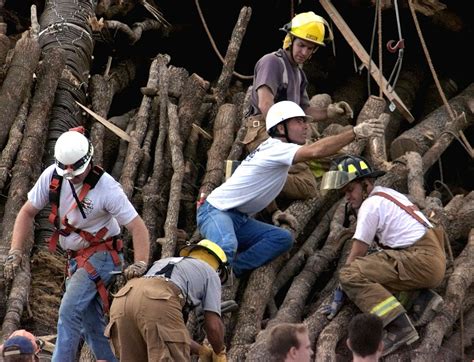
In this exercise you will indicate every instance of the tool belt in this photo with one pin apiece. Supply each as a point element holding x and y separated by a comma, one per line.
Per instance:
<point>256,132</point>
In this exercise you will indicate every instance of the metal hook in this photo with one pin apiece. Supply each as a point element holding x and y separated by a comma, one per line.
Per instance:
<point>398,45</point>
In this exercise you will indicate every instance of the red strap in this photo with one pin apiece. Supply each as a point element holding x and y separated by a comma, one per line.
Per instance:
<point>409,209</point>
<point>94,276</point>
<point>53,241</point>
<point>82,256</point>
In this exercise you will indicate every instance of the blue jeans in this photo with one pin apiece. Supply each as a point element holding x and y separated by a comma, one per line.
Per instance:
<point>81,314</point>
<point>247,243</point>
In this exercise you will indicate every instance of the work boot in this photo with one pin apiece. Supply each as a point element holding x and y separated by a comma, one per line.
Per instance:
<point>398,333</point>
<point>425,306</point>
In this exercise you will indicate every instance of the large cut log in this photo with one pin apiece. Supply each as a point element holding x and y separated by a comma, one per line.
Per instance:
<point>27,169</point>
<point>14,141</point>
<point>422,136</point>
<point>17,82</point>
<point>168,242</point>
<point>459,282</point>
<point>292,307</point>
<point>135,154</point>
<point>102,90</point>
<point>223,82</point>
<point>223,137</point>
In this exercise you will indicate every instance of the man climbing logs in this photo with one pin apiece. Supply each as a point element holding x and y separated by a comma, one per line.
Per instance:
<point>226,216</point>
<point>88,208</point>
<point>147,317</point>
<point>412,257</point>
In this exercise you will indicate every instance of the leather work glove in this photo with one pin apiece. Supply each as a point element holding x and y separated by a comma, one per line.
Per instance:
<point>373,127</point>
<point>338,300</point>
<point>12,263</point>
<point>205,353</point>
<point>281,217</point>
<point>340,109</point>
<point>135,270</point>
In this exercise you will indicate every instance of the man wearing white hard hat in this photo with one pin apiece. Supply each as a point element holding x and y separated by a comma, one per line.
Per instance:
<point>226,216</point>
<point>88,208</point>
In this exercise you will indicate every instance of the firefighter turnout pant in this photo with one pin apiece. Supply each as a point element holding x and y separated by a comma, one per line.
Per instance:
<point>146,322</point>
<point>369,281</point>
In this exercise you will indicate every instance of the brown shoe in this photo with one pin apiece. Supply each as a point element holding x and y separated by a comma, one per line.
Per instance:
<point>399,332</point>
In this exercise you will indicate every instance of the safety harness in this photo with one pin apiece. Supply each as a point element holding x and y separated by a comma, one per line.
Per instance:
<point>113,245</point>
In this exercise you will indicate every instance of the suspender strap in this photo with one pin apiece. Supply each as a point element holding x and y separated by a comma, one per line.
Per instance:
<point>167,270</point>
<point>408,208</point>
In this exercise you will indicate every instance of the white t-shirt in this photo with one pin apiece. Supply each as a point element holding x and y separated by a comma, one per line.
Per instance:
<point>105,205</point>
<point>393,226</point>
<point>258,180</point>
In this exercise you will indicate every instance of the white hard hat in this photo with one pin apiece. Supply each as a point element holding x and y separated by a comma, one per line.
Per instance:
<point>282,111</point>
<point>73,153</point>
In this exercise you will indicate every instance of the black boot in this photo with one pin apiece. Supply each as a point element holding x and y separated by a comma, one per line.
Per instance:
<point>425,307</point>
<point>398,333</point>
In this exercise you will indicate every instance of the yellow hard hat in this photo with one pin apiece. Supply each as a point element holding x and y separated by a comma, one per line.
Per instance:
<point>210,253</point>
<point>307,26</point>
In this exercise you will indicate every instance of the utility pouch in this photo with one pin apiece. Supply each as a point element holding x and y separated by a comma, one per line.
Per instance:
<point>256,132</point>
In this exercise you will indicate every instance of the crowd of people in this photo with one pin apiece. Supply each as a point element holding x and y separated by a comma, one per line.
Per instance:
<point>147,316</point>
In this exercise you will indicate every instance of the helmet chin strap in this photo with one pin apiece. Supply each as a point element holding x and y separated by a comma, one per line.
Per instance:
<point>285,135</point>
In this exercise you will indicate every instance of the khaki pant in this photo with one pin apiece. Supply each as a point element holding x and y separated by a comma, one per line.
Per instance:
<point>146,322</point>
<point>369,281</point>
<point>301,183</point>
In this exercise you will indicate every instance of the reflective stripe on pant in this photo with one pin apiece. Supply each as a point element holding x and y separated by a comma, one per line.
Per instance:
<point>369,281</point>
<point>146,322</point>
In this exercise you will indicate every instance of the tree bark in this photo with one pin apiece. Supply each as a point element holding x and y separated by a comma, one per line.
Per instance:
<point>17,82</point>
<point>422,136</point>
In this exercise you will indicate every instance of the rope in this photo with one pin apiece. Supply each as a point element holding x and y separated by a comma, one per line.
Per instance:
<point>451,112</point>
<point>214,46</point>
<point>379,34</point>
<point>398,64</point>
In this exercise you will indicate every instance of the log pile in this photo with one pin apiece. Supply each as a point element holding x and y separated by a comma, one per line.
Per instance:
<point>180,134</point>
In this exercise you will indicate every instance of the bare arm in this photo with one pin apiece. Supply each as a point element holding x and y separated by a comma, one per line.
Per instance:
<point>141,239</point>
<point>265,99</point>
<point>359,248</point>
<point>324,147</point>
<point>23,225</point>
<point>214,330</point>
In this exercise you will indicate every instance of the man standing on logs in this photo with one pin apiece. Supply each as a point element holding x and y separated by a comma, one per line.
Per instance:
<point>146,317</point>
<point>225,217</point>
<point>412,257</point>
<point>279,76</point>
<point>87,209</point>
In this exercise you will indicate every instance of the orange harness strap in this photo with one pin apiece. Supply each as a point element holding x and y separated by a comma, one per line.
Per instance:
<point>113,246</point>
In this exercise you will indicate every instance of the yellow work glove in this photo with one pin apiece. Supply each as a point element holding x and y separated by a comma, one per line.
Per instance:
<point>205,354</point>
<point>221,357</point>
<point>135,270</point>
<point>339,109</point>
<point>281,217</point>
<point>12,263</point>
